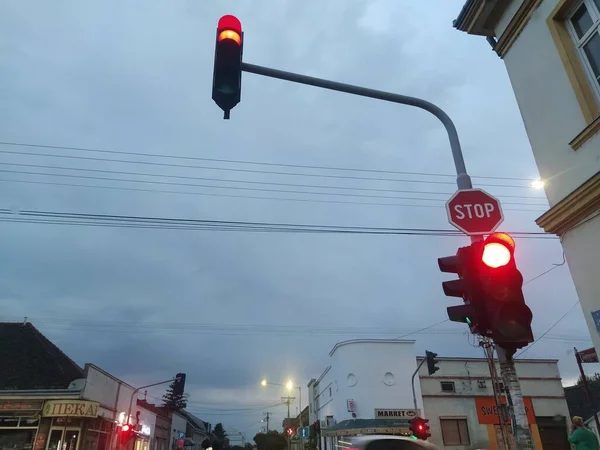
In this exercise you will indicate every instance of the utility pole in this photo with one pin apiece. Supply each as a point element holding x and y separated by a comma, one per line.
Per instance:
<point>488,348</point>
<point>287,400</point>
<point>513,388</point>
<point>267,415</point>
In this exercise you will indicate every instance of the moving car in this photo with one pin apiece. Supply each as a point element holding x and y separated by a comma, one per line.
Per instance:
<point>385,442</point>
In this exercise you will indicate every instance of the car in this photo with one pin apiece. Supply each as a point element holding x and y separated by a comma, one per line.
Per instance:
<point>385,442</point>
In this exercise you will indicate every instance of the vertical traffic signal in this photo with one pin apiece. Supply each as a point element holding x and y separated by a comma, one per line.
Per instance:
<point>126,433</point>
<point>419,428</point>
<point>179,385</point>
<point>502,287</point>
<point>467,287</point>
<point>431,362</point>
<point>227,74</point>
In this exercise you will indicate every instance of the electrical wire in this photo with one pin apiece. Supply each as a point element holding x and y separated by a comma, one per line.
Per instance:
<point>236,188</point>
<point>548,330</point>
<point>254,182</point>
<point>70,218</point>
<point>213,194</point>
<point>230,161</point>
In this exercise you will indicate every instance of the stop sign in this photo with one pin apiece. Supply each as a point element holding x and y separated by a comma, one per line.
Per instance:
<point>474,211</point>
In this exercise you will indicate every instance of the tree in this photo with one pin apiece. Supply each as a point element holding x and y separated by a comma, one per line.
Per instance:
<point>270,441</point>
<point>220,437</point>
<point>173,400</point>
<point>591,379</point>
<point>248,446</point>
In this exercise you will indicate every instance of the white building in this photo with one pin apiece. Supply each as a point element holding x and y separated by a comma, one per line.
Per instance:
<point>551,50</point>
<point>366,389</point>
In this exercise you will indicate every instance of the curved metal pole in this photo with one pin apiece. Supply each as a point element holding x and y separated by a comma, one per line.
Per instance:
<point>463,181</point>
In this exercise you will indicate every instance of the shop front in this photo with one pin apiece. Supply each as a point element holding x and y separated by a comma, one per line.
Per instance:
<point>19,420</point>
<point>65,423</point>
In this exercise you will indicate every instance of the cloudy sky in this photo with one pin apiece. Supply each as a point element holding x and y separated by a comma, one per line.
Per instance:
<point>132,81</point>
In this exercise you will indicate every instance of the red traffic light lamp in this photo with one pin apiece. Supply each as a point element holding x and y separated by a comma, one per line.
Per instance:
<point>126,433</point>
<point>290,431</point>
<point>419,428</point>
<point>227,74</point>
<point>502,287</point>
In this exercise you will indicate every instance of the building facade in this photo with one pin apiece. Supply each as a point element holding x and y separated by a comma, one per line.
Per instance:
<point>551,50</point>
<point>460,404</point>
<point>367,389</point>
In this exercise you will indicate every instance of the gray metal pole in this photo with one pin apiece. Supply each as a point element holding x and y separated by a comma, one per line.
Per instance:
<point>413,385</point>
<point>463,181</point>
<point>138,389</point>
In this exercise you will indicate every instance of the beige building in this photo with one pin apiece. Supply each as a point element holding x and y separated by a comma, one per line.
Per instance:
<point>551,49</point>
<point>459,402</point>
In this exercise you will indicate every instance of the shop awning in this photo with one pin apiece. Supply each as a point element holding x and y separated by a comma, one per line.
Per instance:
<point>354,427</point>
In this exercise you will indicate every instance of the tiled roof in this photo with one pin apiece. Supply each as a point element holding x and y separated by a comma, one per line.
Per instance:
<point>30,361</point>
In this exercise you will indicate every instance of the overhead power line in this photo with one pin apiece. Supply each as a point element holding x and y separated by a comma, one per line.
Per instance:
<point>258,163</point>
<point>127,221</point>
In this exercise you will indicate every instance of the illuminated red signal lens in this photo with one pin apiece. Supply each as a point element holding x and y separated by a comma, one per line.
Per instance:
<point>126,427</point>
<point>420,427</point>
<point>496,255</point>
<point>498,250</point>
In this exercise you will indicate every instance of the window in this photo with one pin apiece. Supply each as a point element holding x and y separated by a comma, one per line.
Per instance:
<point>583,25</point>
<point>455,431</point>
<point>447,386</point>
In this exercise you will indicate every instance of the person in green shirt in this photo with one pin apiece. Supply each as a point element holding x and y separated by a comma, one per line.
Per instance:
<point>581,437</point>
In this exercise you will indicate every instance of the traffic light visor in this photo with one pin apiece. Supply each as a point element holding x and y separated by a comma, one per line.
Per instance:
<point>230,22</point>
<point>498,250</point>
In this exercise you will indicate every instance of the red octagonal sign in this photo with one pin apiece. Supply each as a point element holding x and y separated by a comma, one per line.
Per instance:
<point>474,211</point>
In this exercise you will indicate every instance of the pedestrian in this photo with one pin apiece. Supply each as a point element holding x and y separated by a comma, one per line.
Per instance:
<point>581,437</point>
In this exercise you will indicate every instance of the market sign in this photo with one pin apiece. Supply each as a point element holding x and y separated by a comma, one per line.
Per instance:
<point>588,356</point>
<point>396,413</point>
<point>70,408</point>
<point>20,405</point>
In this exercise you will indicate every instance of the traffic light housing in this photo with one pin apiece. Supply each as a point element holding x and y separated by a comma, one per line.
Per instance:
<point>419,428</point>
<point>502,287</point>
<point>227,73</point>
<point>467,287</point>
<point>431,362</point>
<point>126,433</point>
<point>179,385</point>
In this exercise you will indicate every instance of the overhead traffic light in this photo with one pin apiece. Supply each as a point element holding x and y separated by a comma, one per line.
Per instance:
<point>431,362</point>
<point>419,428</point>
<point>467,287</point>
<point>126,433</point>
<point>502,288</point>
<point>179,385</point>
<point>227,74</point>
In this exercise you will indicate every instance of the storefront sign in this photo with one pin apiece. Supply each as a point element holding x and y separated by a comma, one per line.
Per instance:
<point>396,413</point>
<point>70,408</point>
<point>588,356</point>
<point>487,411</point>
<point>20,405</point>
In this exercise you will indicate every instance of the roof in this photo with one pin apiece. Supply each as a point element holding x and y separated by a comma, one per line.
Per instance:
<point>28,360</point>
<point>194,421</point>
<point>479,17</point>
<point>370,341</point>
<point>470,359</point>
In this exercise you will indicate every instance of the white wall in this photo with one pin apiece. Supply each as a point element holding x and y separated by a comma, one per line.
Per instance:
<point>367,362</point>
<point>552,118</point>
<point>550,110</point>
<point>178,424</point>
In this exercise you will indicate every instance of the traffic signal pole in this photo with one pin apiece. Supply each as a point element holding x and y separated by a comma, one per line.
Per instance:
<point>463,180</point>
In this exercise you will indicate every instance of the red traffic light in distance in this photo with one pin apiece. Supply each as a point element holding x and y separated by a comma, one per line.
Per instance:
<point>125,428</point>
<point>498,250</point>
<point>227,74</point>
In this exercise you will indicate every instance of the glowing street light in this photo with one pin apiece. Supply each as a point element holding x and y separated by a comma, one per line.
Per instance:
<point>263,382</point>
<point>289,385</point>
<point>538,184</point>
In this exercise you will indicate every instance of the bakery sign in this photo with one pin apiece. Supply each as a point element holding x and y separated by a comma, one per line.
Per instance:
<point>70,408</point>
<point>396,413</point>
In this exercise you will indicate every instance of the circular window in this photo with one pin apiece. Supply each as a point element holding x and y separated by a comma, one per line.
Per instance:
<point>351,379</point>
<point>389,379</point>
